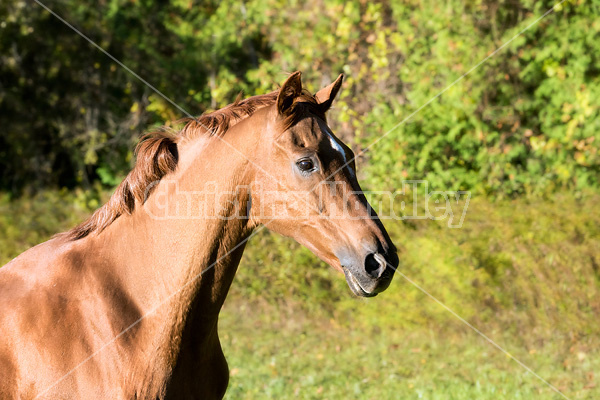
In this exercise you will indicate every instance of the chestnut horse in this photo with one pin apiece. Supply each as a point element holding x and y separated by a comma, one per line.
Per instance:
<point>125,306</point>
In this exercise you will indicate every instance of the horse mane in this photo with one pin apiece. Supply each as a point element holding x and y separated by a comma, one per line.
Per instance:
<point>157,155</point>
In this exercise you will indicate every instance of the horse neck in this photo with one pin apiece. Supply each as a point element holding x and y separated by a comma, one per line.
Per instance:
<point>176,255</point>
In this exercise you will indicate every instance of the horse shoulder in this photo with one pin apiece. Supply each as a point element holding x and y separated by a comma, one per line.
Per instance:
<point>44,318</point>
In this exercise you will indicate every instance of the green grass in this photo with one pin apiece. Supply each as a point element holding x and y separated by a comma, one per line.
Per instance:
<point>275,354</point>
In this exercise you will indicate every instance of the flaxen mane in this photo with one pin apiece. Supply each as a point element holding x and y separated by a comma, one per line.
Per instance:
<point>157,155</point>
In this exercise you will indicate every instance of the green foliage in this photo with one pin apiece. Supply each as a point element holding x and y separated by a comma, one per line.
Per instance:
<point>74,115</point>
<point>520,123</point>
<point>524,121</point>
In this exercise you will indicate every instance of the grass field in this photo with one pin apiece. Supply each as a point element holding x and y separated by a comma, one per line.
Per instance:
<point>276,354</point>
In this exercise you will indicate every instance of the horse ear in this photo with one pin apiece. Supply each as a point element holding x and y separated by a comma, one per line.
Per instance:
<point>291,89</point>
<point>326,95</point>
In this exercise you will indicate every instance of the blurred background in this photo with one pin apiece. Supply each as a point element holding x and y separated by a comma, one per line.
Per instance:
<point>521,132</point>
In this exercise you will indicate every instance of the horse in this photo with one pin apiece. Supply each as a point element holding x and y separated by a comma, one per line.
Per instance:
<point>126,304</point>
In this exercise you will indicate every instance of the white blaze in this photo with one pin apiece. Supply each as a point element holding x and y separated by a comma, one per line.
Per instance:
<point>338,147</point>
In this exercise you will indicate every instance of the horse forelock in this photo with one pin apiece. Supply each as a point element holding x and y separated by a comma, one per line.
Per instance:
<point>157,155</point>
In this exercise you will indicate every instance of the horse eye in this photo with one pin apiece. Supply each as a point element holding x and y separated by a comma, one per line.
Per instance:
<point>305,165</point>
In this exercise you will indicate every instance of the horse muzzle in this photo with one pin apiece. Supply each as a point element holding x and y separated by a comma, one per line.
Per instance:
<point>368,275</point>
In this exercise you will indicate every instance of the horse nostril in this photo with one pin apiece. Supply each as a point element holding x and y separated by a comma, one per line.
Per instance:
<point>373,266</point>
